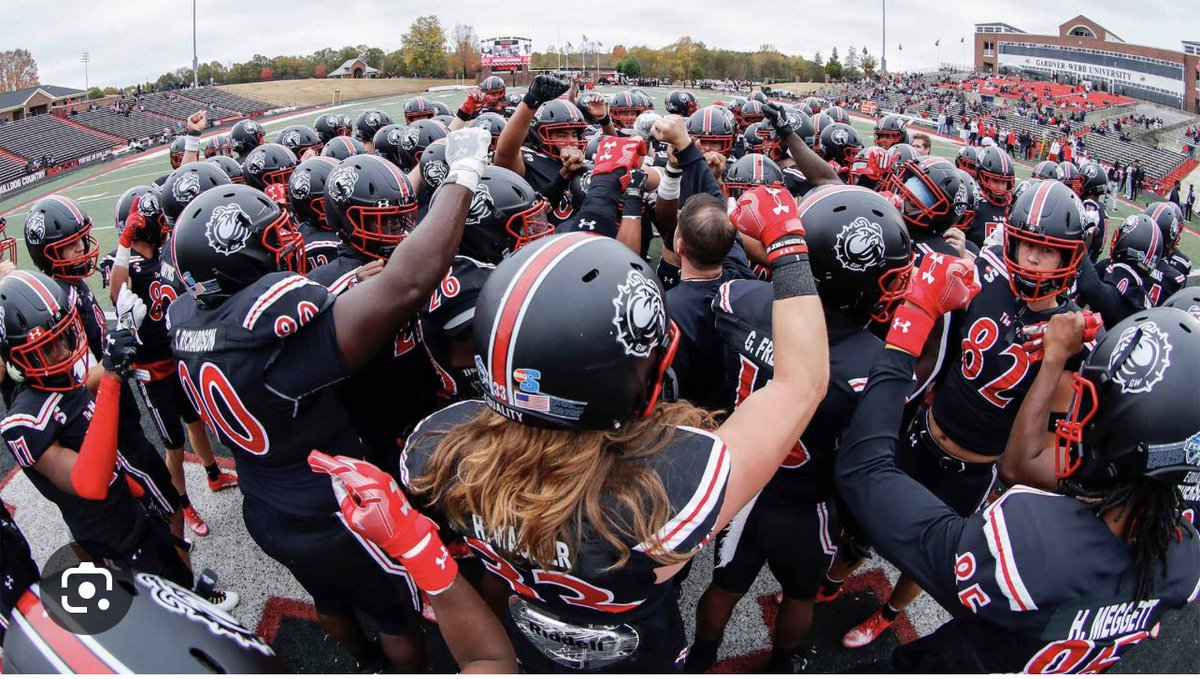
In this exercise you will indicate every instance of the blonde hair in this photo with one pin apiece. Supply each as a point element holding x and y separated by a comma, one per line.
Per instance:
<point>546,484</point>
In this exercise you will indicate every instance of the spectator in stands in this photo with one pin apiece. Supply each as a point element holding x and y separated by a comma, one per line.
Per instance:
<point>922,143</point>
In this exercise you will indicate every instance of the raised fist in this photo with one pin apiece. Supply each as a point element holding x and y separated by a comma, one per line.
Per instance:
<point>543,89</point>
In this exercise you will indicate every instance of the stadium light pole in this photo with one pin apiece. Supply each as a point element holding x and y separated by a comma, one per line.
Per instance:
<point>195,61</point>
<point>85,58</point>
<point>883,53</point>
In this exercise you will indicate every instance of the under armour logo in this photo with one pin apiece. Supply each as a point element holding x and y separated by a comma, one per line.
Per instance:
<point>608,147</point>
<point>927,277</point>
<point>441,560</point>
<point>589,224</point>
<point>779,208</point>
<point>937,257</point>
<point>900,325</point>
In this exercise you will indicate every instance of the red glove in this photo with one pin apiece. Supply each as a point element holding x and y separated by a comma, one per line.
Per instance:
<point>135,488</point>
<point>277,193</point>
<point>619,152</point>
<point>474,103</point>
<point>374,508</point>
<point>1092,322</point>
<point>133,222</point>
<point>769,215</point>
<point>942,283</point>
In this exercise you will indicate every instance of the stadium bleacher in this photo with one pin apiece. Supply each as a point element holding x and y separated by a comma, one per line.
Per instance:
<point>225,100</point>
<point>136,126</point>
<point>174,107</point>
<point>10,169</point>
<point>47,134</point>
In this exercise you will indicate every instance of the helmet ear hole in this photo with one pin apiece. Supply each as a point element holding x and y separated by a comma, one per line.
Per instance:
<point>590,276</point>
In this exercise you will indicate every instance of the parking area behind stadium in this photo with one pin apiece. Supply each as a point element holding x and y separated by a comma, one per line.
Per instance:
<point>274,604</point>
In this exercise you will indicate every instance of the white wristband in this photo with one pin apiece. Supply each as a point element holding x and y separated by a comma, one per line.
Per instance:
<point>191,144</point>
<point>668,186</point>
<point>466,172</point>
<point>122,257</point>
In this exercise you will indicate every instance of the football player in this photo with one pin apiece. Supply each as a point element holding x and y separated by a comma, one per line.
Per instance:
<point>861,256</point>
<point>306,200</point>
<point>137,261</point>
<point>591,446</point>
<point>260,345</point>
<point>889,131</point>
<point>246,136</point>
<point>1035,582</point>
<point>952,446</point>
<point>994,174</point>
<point>1170,276</point>
<point>18,570</point>
<point>65,441</point>
<point>300,139</point>
<point>1126,278</point>
<point>331,125</point>
<point>368,123</point>
<point>1093,187</point>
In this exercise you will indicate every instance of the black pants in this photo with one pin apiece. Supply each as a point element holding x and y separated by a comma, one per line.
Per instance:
<point>963,486</point>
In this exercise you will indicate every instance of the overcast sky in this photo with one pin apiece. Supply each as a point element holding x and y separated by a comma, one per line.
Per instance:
<point>136,40</point>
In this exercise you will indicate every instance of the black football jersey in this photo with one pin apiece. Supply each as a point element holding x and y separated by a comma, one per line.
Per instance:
<point>257,367</point>
<point>1128,282</point>
<point>581,586</point>
<point>447,318</point>
<point>149,282</point>
<point>978,398</point>
<point>743,320</point>
<point>541,171</point>
<point>18,570</point>
<point>1164,282</point>
<point>1180,262</point>
<point>795,182</point>
<point>320,246</point>
<point>395,389</point>
<point>94,324</point>
<point>108,528</point>
<point>988,218</point>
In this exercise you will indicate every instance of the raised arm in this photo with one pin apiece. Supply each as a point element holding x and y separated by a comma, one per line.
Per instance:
<point>817,171</point>
<point>508,147</point>
<point>372,312</point>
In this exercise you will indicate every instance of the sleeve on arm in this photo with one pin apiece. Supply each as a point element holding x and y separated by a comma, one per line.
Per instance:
<point>696,176</point>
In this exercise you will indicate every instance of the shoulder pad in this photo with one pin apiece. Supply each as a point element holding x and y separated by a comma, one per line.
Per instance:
<point>280,304</point>
<point>694,468</point>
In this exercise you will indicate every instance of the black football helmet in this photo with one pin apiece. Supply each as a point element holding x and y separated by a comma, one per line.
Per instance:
<point>177,151</point>
<point>342,147</point>
<point>1187,299</point>
<point>966,202</point>
<point>712,130</point>
<point>269,164</point>
<point>1134,410</point>
<point>1047,215</point>
<point>58,235</point>
<point>752,169</point>
<point>889,131</point>
<point>330,125</point>
<point>188,182</point>
<point>300,138</point>
<point>1068,173</point>
<point>1047,169</point>
<point>493,89</point>
<point>870,168</point>
<point>814,104</point>
<point>418,108</point>
<point>840,143</point>
<point>1093,180</point>
<point>440,109</point>
<point>754,139</point>
<point>230,237</point>
<point>994,171</point>
<point>166,629</point>
<point>820,122</point>
<point>506,214</point>
<point>434,167</point>
<point>967,159</point>
<point>387,142</point>
<point>42,340</point>
<point>150,207</point>
<point>800,123</point>
<point>1164,214</point>
<point>218,145</point>
<point>231,167</point>
<point>608,370</point>
<point>369,121</point>
<point>897,155</point>
<point>1138,242</point>
<point>416,138</point>
<point>245,136</point>
<point>928,187</point>
<point>751,112</point>
<point>860,251</point>
<point>447,121</point>
<point>557,116</point>
<point>306,191</point>
<point>838,114</point>
<point>371,204</point>
<point>624,109</point>
<point>805,108</point>
<point>493,123</point>
<point>735,105</point>
<point>681,103</point>
<point>757,95</point>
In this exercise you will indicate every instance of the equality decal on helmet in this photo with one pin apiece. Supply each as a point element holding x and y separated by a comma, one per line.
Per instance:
<point>35,227</point>
<point>228,229</point>
<point>256,161</point>
<point>482,205</point>
<point>411,138</point>
<point>179,600</point>
<point>186,187</point>
<point>1144,363</point>
<point>300,185</point>
<point>341,183</point>
<point>640,316</point>
<point>859,245</point>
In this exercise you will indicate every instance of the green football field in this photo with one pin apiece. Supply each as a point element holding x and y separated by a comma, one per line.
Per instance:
<point>97,189</point>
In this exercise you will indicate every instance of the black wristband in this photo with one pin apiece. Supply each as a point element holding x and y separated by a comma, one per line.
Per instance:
<point>631,206</point>
<point>465,117</point>
<point>603,122</point>
<point>194,133</point>
<point>792,278</point>
<point>531,101</point>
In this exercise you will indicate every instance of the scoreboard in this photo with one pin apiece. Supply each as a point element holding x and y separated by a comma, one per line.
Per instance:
<point>506,54</point>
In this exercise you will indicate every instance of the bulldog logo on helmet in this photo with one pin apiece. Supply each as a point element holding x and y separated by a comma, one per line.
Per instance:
<point>840,136</point>
<point>640,315</point>
<point>1145,363</point>
<point>291,139</point>
<point>186,187</point>
<point>256,161</point>
<point>434,172</point>
<point>300,185</point>
<point>35,228</point>
<point>859,245</point>
<point>372,119</point>
<point>410,139</point>
<point>148,205</point>
<point>228,229</point>
<point>482,205</point>
<point>341,183</point>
